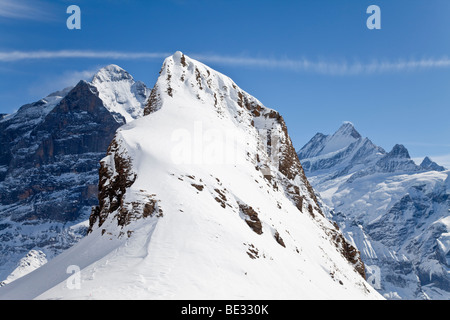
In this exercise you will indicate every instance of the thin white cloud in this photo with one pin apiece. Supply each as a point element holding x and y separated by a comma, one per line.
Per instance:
<point>331,67</point>
<point>81,54</point>
<point>25,9</point>
<point>297,65</point>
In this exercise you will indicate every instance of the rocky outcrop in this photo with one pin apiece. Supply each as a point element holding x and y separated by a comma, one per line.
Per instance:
<point>251,218</point>
<point>116,175</point>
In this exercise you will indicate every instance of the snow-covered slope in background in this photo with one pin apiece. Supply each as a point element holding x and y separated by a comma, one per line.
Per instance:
<point>49,159</point>
<point>120,93</point>
<point>395,211</point>
<point>204,197</point>
<point>32,261</point>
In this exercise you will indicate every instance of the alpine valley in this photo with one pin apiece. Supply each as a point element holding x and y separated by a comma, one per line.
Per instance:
<point>393,210</point>
<point>201,195</point>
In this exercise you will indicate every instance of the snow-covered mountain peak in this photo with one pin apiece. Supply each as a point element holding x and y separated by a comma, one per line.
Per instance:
<point>182,77</point>
<point>322,145</point>
<point>342,138</point>
<point>344,151</point>
<point>121,94</point>
<point>347,129</point>
<point>111,73</point>
<point>214,222</point>
<point>186,220</point>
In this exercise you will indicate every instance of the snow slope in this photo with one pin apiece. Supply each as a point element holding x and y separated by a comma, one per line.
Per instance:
<point>203,198</point>
<point>32,261</point>
<point>395,212</point>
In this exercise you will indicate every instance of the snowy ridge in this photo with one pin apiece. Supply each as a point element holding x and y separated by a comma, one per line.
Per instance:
<point>198,222</point>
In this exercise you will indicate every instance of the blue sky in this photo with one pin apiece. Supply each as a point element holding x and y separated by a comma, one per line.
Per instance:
<point>314,61</point>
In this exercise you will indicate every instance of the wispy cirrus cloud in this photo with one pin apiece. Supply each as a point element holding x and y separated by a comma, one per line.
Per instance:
<point>78,54</point>
<point>322,66</point>
<point>25,10</point>
<point>331,67</point>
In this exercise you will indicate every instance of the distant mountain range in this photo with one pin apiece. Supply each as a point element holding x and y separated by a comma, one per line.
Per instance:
<point>395,211</point>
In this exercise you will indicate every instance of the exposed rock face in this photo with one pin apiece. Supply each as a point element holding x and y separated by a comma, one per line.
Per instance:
<point>396,212</point>
<point>63,146</point>
<point>251,217</point>
<point>112,187</point>
<point>49,160</point>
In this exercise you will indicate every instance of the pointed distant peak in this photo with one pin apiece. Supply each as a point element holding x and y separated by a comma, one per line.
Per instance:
<point>347,123</point>
<point>112,68</point>
<point>111,73</point>
<point>348,129</point>
<point>426,162</point>
<point>399,151</point>
<point>429,164</point>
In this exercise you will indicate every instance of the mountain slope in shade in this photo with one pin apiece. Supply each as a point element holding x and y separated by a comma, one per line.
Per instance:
<point>204,197</point>
<point>49,159</point>
<point>395,212</point>
<point>429,164</point>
